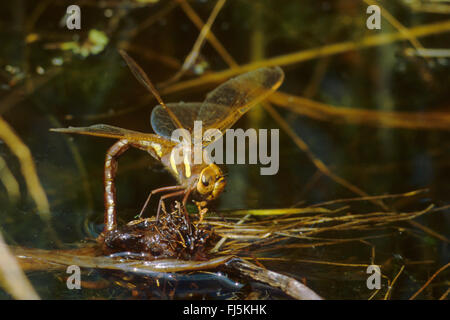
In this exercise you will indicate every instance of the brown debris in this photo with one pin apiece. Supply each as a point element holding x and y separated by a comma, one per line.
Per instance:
<point>169,237</point>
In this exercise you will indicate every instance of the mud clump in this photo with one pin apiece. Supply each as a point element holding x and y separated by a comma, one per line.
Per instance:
<point>170,237</point>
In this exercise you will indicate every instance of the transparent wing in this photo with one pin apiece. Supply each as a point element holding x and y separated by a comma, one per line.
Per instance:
<point>142,77</point>
<point>187,113</point>
<point>162,123</point>
<point>238,95</point>
<point>223,106</point>
<point>107,131</point>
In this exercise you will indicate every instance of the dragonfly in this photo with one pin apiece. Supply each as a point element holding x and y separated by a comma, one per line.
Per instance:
<point>221,108</point>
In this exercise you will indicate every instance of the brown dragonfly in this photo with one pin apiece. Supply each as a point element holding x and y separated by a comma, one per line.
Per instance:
<point>221,109</point>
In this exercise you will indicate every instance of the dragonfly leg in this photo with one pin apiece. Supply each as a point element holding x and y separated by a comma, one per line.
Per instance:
<point>110,171</point>
<point>202,210</point>
<point>161,201</point>
<point>159,190</point>
<point>186,214</point>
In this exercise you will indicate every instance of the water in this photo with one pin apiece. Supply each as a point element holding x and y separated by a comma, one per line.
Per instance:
<point>100,89</point>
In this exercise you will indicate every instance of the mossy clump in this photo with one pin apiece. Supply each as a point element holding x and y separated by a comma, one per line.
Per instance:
<point>171,236</point>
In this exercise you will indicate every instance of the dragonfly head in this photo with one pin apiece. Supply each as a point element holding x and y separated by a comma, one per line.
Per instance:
<point>211,182</point>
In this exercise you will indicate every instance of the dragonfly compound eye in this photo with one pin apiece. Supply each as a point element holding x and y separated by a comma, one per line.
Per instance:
<point>211,182</point>
<point>206,180</point>
<point>206,184</point>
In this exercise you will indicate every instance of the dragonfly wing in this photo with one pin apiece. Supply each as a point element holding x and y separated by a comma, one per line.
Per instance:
<point>107,131</point>
<point>142,77</point>
<point>187,113</point>
<point>236,96</point>
<point>223,106</point>
<point>162,123</point>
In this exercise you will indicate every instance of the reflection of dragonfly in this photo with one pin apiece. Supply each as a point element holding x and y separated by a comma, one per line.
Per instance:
<point>220,110</point>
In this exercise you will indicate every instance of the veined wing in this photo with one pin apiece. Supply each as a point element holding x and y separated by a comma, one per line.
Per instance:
<point>142,77</point>
<point>238,95</point>
<point>187,113</point>
<point>107,131</point>
<point>223,106</point>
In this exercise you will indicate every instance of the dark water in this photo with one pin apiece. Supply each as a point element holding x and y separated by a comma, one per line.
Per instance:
<point>99,88</point>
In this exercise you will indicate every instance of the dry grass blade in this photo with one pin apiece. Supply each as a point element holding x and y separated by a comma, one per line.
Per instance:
<point>445,294</point>
<point>388,293</point>
<point>430,6</point>
<point>12,277</point>
<point>287,284</point>
<point>192,15</point>
<point>389,119</point>
<point>260,231</point>
<point>149,22</point>
<point>8,180</point>
<point>153,55</point>
<point>385,196</point>
<point>429,231</point>
<point>428,53</point>
<point>305,55</point>
<point>429,281</point>
<point>274,212</point>
<point>195,51</point>
<point>396,24</point>
<point>37,259</point>
<point>23,154</point>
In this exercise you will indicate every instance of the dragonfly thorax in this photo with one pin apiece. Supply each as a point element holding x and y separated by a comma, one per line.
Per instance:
<point>206,179</point>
